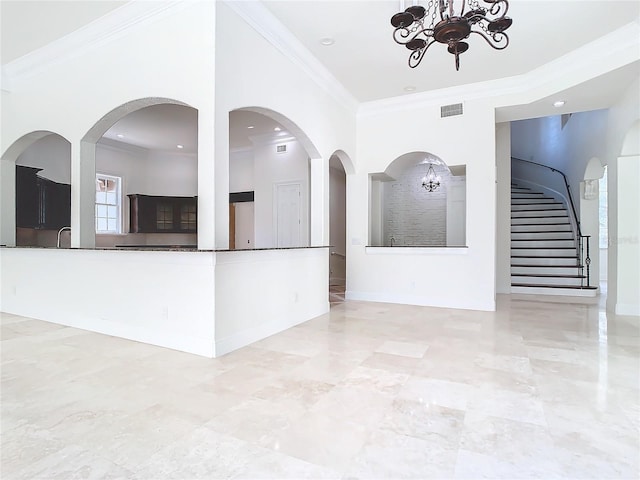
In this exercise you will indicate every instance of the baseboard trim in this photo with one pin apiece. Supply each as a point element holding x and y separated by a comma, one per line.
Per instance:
<point>628,309</point>
<point>489,306</point>
<point>251,335</point>
<point>136,333</point>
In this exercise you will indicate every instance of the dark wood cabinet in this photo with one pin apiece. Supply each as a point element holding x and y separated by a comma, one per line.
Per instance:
<point>41,203</point>
<point>162,214</point>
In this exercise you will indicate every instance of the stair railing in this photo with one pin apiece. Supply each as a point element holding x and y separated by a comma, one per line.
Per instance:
<point>582,248</point>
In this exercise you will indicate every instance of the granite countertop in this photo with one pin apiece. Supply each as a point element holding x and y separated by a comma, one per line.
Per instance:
<point>163,248</point>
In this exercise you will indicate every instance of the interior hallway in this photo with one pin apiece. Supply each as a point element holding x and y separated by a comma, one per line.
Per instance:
<point>369,390</point>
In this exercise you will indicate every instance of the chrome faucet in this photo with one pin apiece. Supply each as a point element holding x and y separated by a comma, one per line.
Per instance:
<point>392,240</point>
<point>59,232</point>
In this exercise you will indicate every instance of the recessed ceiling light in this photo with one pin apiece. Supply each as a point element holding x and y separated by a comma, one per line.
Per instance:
<point>120,135</point>
<point>277,129</point>
<point>409,88</point>
<point>327,41</point>
<point>559,103</point>
<point>251,126</point>
<point>180,146</point>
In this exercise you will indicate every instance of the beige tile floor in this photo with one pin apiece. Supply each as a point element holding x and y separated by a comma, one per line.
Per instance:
<point>534,390</point>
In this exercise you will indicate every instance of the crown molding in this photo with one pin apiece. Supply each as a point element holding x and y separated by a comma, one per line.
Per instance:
<point>611,51</point>
<point>266,24</point>
<point>270,139</point>
<point>116,145</point>
<point>101,31</point>
<point>442,96</point>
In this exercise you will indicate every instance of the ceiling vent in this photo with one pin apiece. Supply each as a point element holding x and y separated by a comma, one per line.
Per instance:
<point>451,110</point>
<point>281,148</point>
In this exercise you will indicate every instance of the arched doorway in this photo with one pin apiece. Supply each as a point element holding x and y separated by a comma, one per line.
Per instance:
<point>339,162</point>
<point>271,179</point>
<point>140,176</point>
<point>36,189</point>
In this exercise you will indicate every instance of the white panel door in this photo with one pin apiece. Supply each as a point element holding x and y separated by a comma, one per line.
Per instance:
<point>288,215</point>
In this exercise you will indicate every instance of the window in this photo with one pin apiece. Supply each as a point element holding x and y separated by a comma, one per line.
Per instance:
<point>188,217</point>
<point>108,204</point>
<point>164,216</point>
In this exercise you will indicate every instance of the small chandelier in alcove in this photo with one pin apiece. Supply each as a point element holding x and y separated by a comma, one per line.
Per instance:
<point>416,28</point>
<point>431,181</point>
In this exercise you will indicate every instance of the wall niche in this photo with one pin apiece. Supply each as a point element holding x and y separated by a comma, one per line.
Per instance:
<point>404,213</point>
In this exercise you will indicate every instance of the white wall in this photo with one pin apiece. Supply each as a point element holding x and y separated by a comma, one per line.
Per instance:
<point>149,172</point>
<point>143,296</point>
<point>241,171</point>
<point>622,117</point>
<point>253,73</point>
<point>569,149</point>
<point>387,135</point>
<point>51,153</point>
<point>271,169</point>
<point>262,292</point>
<point>628,235</point>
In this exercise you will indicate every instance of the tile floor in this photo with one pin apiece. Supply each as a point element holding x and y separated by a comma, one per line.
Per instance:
<point>533,390</point>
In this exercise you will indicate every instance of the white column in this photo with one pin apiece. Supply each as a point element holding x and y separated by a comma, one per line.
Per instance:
<point>83,194</point>
<point>627,236</point>
<point>319,199</point>
<point>210,221</point>
<point>7,202</point>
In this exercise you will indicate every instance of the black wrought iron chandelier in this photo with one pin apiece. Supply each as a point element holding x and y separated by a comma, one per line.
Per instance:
<point>431,181</point>
<point>417,29</point>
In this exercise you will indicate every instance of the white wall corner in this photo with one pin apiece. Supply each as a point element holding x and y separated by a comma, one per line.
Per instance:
<point>99,32</point>
<point>251,335</point>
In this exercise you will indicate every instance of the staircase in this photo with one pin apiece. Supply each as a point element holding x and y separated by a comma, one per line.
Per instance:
<point>544,249</point>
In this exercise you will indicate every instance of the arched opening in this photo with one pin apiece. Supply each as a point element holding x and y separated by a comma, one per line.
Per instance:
<point>418,201</point>
<point>270,180</point>
<point>338,224</point>
<point>144,180</point>
<point>36,185</point>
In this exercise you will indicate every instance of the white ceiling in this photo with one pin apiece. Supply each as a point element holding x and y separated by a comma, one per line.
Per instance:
<point>366,60</point>
<point>26,25</point>
<point>364,57</point>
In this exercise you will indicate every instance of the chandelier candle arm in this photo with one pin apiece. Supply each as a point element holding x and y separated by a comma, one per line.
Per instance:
<point>431,181</point>
<point>455,26</point>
